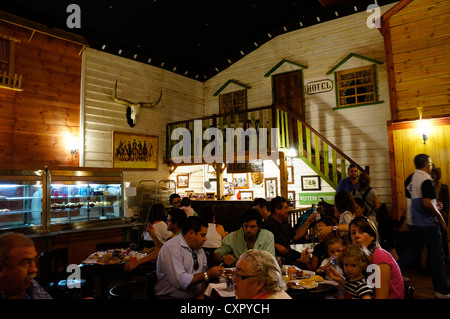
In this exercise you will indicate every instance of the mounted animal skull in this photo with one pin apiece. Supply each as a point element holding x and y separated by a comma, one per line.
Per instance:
<point>133,108</point>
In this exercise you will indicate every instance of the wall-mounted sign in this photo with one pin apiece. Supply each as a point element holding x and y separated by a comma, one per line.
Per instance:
<point>254,166</point>
<point>320,86</point>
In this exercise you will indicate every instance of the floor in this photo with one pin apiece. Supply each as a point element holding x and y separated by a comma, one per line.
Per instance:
<point>420,279</point>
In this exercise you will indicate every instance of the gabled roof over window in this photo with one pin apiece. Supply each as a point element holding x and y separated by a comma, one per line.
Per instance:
<point>281,63</point>
<point>348,57</point>
<point>228,83</point>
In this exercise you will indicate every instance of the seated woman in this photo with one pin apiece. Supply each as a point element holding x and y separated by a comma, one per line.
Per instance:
<point>258,276</point>
<point>363,232</point>
<point>157,217</point>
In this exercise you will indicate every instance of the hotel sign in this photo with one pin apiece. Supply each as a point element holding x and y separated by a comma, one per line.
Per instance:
<point>319,86</point>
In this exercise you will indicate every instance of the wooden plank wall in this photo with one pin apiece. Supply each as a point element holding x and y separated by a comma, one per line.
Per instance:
<point>137,82</point>
<point>420,40</point>
<point>36,122</point>
<point>320,48</point>
<point>407,143</point>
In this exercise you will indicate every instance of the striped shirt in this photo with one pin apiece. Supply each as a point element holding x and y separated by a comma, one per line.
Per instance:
<point>358,288</point>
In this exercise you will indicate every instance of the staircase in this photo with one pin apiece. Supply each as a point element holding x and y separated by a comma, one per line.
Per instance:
<point>315,150</point>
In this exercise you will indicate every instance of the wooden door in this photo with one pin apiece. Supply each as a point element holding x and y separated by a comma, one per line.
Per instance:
<point>288,92</point>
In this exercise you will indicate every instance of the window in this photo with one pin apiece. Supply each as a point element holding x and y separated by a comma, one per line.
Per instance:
<point>356,86</point>
<point>4,56</point>
<point>232,102</point>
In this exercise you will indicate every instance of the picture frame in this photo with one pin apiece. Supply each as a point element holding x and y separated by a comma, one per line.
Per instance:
<point>270,186</point>
<point>240,180</point>
<point>210,196</point>
<point>183,181</point>
<point>291,199</point>
<point>189,193</point>
<point>200,196</point>
<point>290,174</point>
<point>246,195</point>
<point>131,150</point>
<point>311,183</point>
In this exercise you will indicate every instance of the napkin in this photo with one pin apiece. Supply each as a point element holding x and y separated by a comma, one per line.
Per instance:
<point>221,289</point>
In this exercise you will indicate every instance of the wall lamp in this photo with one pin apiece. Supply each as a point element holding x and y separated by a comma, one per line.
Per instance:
<point>423,126</point>
<point>72,145</point>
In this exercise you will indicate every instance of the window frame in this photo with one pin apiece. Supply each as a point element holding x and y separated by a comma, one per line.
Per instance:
<point>373,82</point>
<point>234,108</point>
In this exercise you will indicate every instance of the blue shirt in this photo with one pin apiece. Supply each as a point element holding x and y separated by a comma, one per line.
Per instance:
<point>346,185</point>
<point>35,291</point>
<point>175,269</point>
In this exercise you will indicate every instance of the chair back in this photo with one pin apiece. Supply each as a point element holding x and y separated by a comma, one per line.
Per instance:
<point>53,265</point>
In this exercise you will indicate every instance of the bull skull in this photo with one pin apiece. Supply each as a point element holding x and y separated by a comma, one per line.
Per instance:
<point>133,108</point>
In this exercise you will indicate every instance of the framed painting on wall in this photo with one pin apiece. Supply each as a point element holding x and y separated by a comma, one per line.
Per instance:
<point>132,150</point>
<point>270,185</point>
<point>291,198</point>
<point>290,174</point>
<point>240,180</point>
<point>246,195</point>
<point>311,183</point>
<point>183,181</point>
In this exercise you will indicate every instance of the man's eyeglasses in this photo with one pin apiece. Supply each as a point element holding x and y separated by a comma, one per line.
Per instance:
<point>194,256</point>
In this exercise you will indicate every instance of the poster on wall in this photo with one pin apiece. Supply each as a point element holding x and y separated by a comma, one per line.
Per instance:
<point>132,150</point>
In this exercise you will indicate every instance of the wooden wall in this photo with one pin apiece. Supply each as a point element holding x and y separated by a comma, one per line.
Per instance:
<point>407,142</point>
<point>137,82</point>
<point>35,123</point>
<point>320,48</point>
<point>417,35</point>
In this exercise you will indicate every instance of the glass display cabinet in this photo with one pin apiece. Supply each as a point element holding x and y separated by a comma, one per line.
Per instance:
<point>82,197</point>
<point>22,199</point>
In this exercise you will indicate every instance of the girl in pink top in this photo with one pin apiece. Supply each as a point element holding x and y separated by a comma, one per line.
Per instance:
<point>363,232</point>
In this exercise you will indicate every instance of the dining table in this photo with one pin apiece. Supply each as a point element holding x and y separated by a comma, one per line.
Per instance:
<point>222,290</point>
<point>96,270</point>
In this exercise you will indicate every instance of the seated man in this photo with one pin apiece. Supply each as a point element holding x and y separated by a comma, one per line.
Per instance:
<point>175,221</point>
<point>250,236</point>
<point>283,233</point>
<point>181,267</point>
<point>261,205</point>
<point>18,268</point>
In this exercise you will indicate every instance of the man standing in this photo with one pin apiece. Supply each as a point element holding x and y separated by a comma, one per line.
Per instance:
<point>351,182</point>
<point>250,236</point>
<point>424,223</point>
<point>283,233</point>
<point>181,266</point>
<point>18,268</point>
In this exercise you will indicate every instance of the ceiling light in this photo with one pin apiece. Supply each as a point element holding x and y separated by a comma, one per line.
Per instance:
<point>318,19</point>
<point>148,61</point>
<point>355,7</point>
<point>336,13</point>
<point>103,47</point>
<point>120,52</point>
<point>135,56</point>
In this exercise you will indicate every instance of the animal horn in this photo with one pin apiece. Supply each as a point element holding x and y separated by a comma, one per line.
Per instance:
<point>119,100</point>
<point>144,104</point>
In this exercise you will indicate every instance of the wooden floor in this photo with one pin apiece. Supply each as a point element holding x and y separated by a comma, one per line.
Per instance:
<point>420,279</point>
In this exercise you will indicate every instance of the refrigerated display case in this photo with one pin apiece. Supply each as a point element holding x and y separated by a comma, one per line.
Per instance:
<point>22,199</point>
<point>82,197</point>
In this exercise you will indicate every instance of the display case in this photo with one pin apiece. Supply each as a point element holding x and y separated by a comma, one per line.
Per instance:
<point>22,199</point>
<point>78,198</point>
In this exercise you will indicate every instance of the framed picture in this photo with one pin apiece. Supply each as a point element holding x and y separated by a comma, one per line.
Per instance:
<point>210,196</point>
<point>132,150</point>
<point>200,196</point>
<point>290,174</point>
<point>183,181</point>
<point>291,198</point>
<point>270,185</point>
<point>189,193</point>
<point>311,183</point>
<point>240,180</point>
<point>246,195</point>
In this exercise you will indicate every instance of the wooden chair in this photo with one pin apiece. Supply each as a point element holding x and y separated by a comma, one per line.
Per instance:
<point>53,275</point>
<point>136,289</point>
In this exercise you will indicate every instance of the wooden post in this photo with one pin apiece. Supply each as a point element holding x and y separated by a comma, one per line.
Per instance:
<point>219,176</point>
<point>283,174</point>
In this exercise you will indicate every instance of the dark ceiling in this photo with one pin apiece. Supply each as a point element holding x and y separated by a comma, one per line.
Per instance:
<point>195,38</point>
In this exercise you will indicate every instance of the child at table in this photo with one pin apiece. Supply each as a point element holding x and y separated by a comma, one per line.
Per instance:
<point>355,260</point>
<point>334,250</point>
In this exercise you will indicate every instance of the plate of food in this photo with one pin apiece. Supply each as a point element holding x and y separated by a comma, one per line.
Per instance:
<point>304,274</point>
<point>228,272</point>
<point>302,284</point>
